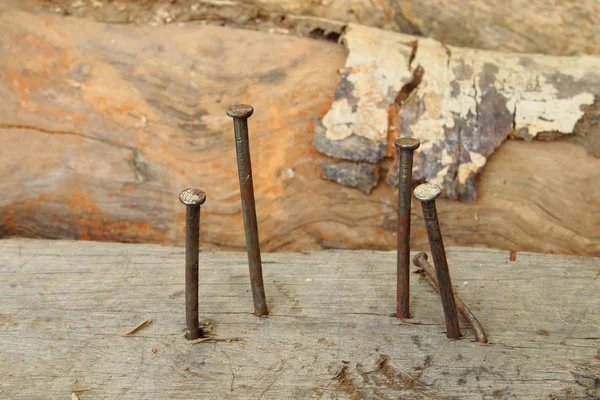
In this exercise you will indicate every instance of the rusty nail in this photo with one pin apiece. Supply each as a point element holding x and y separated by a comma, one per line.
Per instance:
<point>240,114</point>
<point>426,194</point>
<point>405,148</point>
<point>192,199</point>
<point>420,260</point>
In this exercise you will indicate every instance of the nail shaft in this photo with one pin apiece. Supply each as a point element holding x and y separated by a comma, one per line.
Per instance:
<point>427,193</point>
<point>240,114</point>
<point>193,199</point>
<point>405,148</point>
<point>420,260</point>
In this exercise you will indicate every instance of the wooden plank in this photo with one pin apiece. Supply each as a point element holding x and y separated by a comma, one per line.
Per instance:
<point>65,306</point>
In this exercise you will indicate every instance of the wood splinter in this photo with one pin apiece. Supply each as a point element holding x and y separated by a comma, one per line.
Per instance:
<point>138,327</point>
<point>420,260</point>
<point>215,339</point>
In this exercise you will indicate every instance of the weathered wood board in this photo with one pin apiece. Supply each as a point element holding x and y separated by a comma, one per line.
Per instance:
<point>65,305</point>
<point>116,120</point>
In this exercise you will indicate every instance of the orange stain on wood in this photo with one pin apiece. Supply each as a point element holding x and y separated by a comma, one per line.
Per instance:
<point>10,223</point>
<point>84,218</point>
<point>79,201</point>
<point>84,235</point>
<point>97,225</point>
<point>118,231</point>
<point>40,65</point>
<point>164,154</point>
<point>128,188</point>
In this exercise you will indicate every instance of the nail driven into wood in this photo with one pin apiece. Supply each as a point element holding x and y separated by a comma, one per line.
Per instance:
<point>426,194</point>
<point>420,260</point>
<point>193,200</point>
<point>405,148</point>
<point>240,114</point>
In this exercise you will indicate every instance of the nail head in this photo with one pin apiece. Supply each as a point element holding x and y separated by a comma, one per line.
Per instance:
<point>192,197</point>
<point>420,256</point>
<point>427,192</point>
<point>407,143</point>
<point>240,111</point>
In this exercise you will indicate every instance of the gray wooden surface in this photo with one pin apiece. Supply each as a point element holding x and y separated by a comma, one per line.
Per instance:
<point>64,307</point>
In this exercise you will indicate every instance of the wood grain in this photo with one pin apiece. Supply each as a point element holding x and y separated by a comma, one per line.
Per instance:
<point>561,28</point>
<point>116,120</point>
<point>65,306</point>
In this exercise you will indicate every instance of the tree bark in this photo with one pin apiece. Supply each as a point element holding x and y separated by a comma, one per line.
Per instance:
<point>461,103</point>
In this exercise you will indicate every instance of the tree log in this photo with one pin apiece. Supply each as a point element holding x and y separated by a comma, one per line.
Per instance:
<point>561,28</point>
<point>102,125</point>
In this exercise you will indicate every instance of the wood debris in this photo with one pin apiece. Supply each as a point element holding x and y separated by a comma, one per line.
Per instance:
<point>214,339</point>
<point>138,327</point>
<point>80,388</point>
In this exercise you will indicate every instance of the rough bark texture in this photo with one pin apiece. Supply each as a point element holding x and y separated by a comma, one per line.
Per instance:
<point>103,125</point>
<point>329,333</point>
<point>461,103</point>
<point>562,27</point>
<point>362,176</point>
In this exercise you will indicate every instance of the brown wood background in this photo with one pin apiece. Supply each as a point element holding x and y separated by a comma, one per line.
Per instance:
<point>562,27</point>
<point>102,125</point>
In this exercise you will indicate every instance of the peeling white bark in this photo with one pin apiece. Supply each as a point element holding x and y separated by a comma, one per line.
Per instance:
<point>466,104</point>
